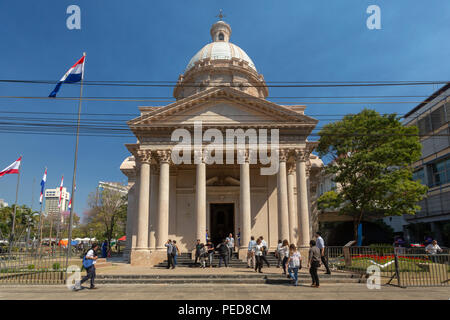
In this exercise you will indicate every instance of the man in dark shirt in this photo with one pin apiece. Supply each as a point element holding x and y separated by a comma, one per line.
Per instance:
<point>223,253</point>
<point>198,246</point>
<point>314,257</point>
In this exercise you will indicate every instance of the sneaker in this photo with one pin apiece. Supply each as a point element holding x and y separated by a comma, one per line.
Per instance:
<point>92,288</point>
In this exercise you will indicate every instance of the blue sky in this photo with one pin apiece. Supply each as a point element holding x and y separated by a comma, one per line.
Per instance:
<point>154,40</point>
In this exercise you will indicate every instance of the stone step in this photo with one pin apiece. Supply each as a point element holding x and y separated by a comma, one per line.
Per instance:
<point>222,276</point>
<point>229,280</point>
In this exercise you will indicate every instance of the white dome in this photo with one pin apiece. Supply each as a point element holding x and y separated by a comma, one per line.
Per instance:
<point>222,50</point>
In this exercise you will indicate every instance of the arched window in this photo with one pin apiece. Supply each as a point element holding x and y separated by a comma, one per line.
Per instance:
<point>221,36</point>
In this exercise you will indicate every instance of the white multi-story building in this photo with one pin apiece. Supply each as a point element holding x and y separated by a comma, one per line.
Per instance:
<point>52,200</point>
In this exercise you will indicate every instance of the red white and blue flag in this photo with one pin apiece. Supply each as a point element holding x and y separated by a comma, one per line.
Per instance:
<point>74,74</point>
<point>60,191</point>
<point>12,168</point>
<point>44,179</point>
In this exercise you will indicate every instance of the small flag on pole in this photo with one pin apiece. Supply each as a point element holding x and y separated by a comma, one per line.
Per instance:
<point>12,168</point>
<point>74,74</point>
<point>44,179</point>
<point>60,192</point>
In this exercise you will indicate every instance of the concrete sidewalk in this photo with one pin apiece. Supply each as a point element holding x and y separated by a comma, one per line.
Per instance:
<point>224,292</point>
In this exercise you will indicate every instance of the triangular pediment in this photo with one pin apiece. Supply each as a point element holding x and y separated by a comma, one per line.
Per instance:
<point>220,106</point>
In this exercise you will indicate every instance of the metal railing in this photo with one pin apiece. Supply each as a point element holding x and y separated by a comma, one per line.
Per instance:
<point>405,267</point>
<point>43,265</point>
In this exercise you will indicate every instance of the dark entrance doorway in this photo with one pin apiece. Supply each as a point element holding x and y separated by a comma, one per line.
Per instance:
<point>221,221</point>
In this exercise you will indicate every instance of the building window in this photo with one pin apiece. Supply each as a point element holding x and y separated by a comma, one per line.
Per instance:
<point>419,175</point>
<point>441,172</point>
<point>221,36</point>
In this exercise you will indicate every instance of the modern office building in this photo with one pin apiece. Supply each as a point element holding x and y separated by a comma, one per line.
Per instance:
<point>52,200</point>
<point>432,117</point>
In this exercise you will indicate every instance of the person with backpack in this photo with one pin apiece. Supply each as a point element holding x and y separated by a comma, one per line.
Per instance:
<point>175,252</point>
<point>294,263</point>
<point>89,260</point>
<point>169,247</point>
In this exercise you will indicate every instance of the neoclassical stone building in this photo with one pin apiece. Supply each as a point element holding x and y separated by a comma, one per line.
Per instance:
<point>222,89</point>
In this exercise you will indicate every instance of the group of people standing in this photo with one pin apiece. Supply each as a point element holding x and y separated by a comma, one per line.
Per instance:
<point>289,258</point>
<point>205,253</point>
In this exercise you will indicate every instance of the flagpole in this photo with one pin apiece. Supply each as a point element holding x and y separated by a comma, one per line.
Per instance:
<point>11,238</point>
<point>40,211</point>
<point>69,236</point>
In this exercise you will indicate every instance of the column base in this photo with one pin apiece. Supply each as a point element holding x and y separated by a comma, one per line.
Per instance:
<point>242,254</point>
<point>304,252</point>
<point>140,257</point>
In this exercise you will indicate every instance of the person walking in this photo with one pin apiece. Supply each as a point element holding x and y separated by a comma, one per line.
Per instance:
<point>105,249</point>
<point>321,245</point>
<point>175,252</point>
<point>223,253</point>
<point>278,253</point>
<point>284,253</point>
<point>294,263</point>
<point>265,249</point>
<point>197,251</point>
<point>89,261</point>
<point>230,245</point>
<point>258,248</point>
<point>314,258</point>
<point>210,247</point>
<point>169,247</point>
<point>251,260</point>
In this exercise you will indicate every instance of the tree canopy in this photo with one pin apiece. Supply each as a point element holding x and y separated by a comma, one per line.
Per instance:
<point>371,157</point>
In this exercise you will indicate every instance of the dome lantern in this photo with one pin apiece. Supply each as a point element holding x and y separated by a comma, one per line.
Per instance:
<point>220,31</point>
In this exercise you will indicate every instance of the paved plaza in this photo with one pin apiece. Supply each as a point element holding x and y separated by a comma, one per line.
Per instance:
<point>224,292</point>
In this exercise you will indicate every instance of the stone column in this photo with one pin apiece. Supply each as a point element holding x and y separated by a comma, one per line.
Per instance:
<point>131,215</point>
<point>283,209</point>
<point>144,192</point>
<point>153,207</point>
<point>162,230</point>
<point>245,208</point>
<point>302,197</point>
<point>200,201</point>
<point>293,218</point>
<point>140,254</point>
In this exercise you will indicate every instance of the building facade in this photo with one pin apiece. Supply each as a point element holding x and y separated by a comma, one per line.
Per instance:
<point>432,117</point>
<point>219,98</point>
<point>52,201</point>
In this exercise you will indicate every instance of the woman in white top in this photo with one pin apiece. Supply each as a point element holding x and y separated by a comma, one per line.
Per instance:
<point>258,255</point>
<point>294,263</point>
<point>284,254</point>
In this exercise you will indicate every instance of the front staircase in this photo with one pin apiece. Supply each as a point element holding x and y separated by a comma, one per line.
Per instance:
<point>251,278</point>
<point>185,260</point>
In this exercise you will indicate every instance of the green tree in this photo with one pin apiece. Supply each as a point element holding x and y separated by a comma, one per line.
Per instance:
<point>25,218</point>
<point>371,156</point>
<point>107,214</point>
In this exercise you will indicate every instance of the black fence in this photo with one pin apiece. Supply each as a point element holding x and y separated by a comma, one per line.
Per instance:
<point>44,265</point>
<point>405,267</point>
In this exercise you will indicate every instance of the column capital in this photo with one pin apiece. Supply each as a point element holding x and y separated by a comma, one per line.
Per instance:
<point>283,154</point>
<point>302,154</point>
<point>163,156</point>
<point>143,156</point>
